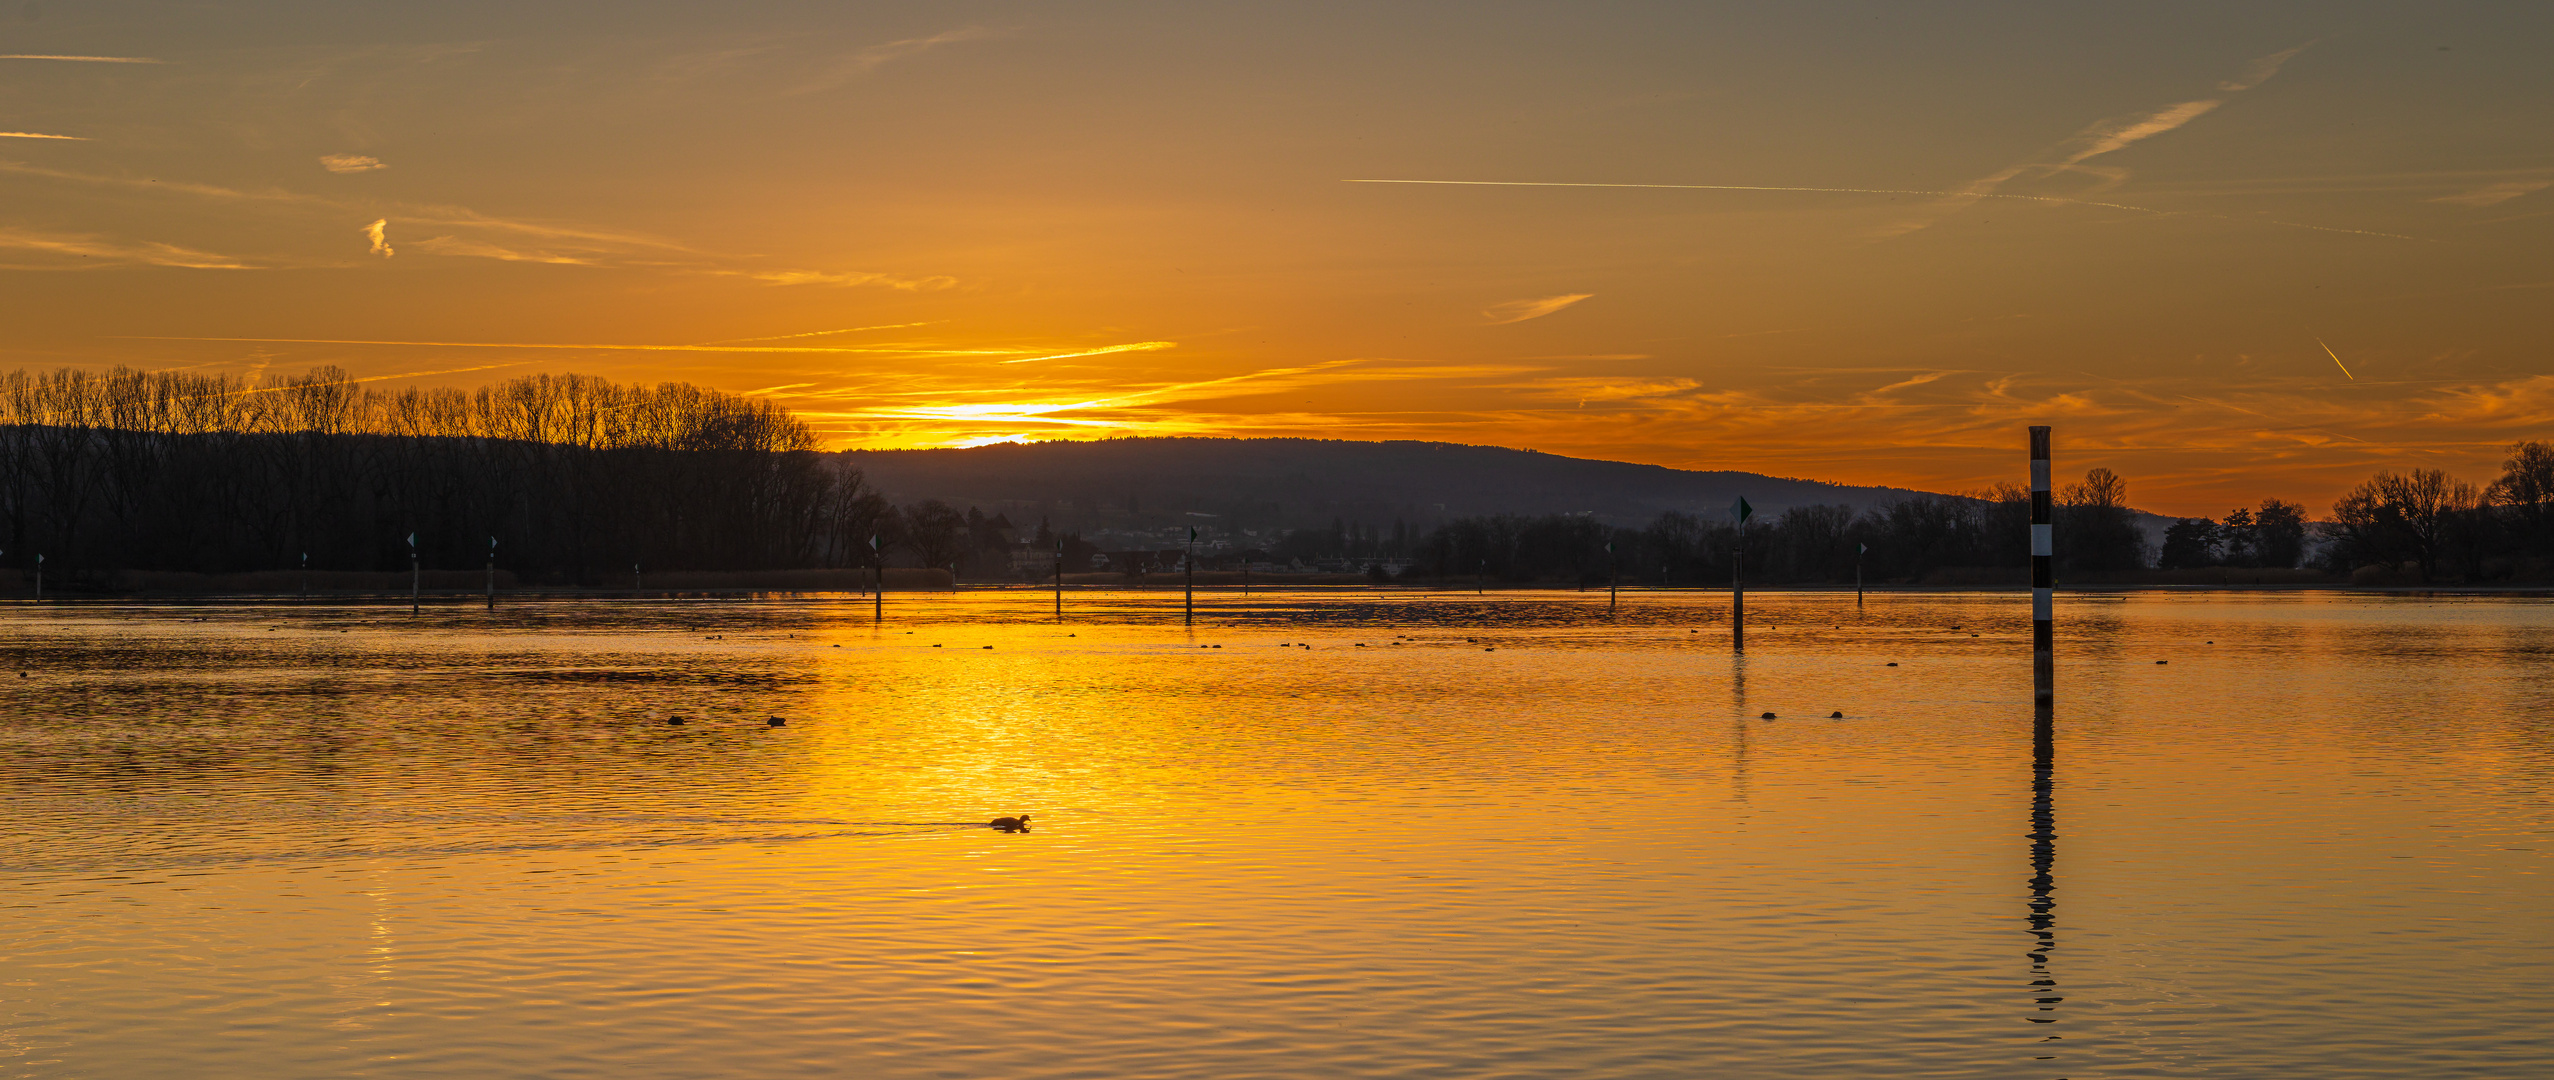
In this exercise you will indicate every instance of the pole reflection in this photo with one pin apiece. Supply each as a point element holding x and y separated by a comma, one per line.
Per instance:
<point>2043,906</point>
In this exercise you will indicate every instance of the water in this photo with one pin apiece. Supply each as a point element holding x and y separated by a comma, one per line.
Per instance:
<point>1509,836</point>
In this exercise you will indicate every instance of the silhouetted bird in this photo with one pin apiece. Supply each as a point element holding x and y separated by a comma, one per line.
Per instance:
<point>1012,824</point>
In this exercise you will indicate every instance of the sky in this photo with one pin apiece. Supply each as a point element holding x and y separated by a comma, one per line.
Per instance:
<point>2228,251</point>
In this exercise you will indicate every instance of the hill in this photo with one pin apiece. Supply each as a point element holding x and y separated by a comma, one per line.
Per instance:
<point>1301,483</point>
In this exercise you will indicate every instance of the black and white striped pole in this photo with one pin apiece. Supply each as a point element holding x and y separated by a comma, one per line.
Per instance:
<point>2043,575</point>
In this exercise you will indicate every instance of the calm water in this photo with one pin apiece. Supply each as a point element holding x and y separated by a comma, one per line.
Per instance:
<point>1458,836</point>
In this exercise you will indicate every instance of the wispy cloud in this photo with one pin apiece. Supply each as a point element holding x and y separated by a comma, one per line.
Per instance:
<point>2108,136</point>
<point>2105,137</point>
<point>83,59</point>
<point>1138,346</point>
<point>2262,69</point>
<point>453,245</point>
<point>847,279</point>
<point>820,333</point>
<point>1773,187</point>
<point>96,251</point>
<point>1910,382</point>
<point>507,239</point>
<point>860,63</point>
<point>899,350</point>
<point>350,163</point>
<point>1516,311</point>
<point>379,233</point>
<point>1983,189</point>
<point>2495,194</point>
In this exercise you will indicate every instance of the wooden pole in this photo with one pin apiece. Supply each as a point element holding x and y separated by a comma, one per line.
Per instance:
<point>877,580</point>
<point>305,575</point>
<point>1737,590</point>
<point>1059,579</point>
<point>1190,562</point>
<point>1613,579</point>
<point>2043,575</point>
<point>1737,596</point>
<point>39,577</point>
<point>1858,549</point>
<point>492,573</point>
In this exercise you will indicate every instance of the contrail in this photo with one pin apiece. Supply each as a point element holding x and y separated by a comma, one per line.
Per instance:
<point>819,333</point>
<point>2336,361</point>
<point>1765,187</point>
<point>83,59</point>
<point>528,345</point>
<point>1140,346</point>
<point>1901,191</point>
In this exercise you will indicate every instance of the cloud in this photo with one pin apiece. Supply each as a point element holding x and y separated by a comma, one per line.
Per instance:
<point>847,279</point>
<point>1969,193</point>
<point>1913,381</point>
<point>108,252</point>
<point>2495,194</point>
<point>1516,311</point>
<point>2105,137</point>
<point>1139,346</point>
<point>515,240</point>
<point>820,333</point>
<point>36,135</point>
<point>83,59</point>
<point>907,351</point>
<point>2262,69</point>
<point>379,233</point>
<point>870,59</point>
<point>350,163</point>
<point>453,245</point>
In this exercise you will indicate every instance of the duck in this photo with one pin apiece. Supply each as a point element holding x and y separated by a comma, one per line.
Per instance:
<point>1012,824</point>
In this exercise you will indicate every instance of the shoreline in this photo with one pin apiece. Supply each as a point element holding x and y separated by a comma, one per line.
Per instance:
<point>458,597</point>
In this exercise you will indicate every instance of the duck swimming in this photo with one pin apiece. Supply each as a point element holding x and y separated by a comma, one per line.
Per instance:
<point>1012,824</point>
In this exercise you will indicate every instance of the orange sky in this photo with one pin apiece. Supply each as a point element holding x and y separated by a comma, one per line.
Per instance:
<point>1902,233</point>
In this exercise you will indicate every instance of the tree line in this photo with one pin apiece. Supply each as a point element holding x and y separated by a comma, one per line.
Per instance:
<point>2429,525</point>
<point>1902,541</point>
<point>576,478</point>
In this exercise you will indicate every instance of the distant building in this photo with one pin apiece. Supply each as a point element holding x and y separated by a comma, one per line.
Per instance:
<point>1032,558</point>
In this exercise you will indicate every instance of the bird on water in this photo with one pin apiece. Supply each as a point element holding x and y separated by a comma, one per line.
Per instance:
<point>1012,824</point>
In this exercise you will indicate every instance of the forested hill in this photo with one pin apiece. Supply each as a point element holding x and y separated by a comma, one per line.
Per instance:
<point>1297,483</point>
